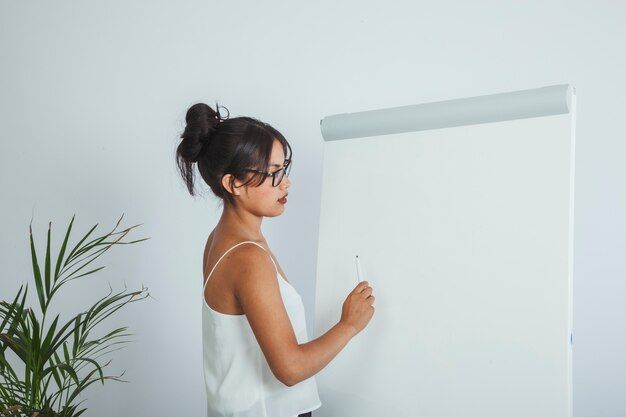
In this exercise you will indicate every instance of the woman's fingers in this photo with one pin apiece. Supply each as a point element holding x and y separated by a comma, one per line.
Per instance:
<point>361,286</point>
<point>367,292</point>
<point>364,290</point>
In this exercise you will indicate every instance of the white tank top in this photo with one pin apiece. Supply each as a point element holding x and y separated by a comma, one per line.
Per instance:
<point>239,382</point>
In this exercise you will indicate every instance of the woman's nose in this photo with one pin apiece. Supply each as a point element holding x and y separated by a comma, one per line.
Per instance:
<point>285,183</point>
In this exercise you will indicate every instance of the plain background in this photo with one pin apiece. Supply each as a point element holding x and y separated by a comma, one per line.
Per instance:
<point>93,96</point>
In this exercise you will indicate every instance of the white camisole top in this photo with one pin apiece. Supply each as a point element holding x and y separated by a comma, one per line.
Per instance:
<point>238,380</point>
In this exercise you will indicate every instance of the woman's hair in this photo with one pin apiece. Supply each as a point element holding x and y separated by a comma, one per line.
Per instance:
<point>221,145</point>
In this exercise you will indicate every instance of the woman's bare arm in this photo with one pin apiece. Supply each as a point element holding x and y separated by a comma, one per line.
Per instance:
<point>256,288</point>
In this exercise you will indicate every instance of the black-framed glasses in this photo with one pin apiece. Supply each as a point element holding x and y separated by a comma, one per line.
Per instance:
<point>278,175</point>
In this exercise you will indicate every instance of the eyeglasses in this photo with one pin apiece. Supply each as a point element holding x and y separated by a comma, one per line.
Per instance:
<point>277,176</point>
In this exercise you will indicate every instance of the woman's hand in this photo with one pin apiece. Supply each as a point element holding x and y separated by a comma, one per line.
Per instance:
<point>358,309</point>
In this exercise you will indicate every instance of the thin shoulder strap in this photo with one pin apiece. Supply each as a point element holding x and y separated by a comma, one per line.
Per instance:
<point>226,253</point>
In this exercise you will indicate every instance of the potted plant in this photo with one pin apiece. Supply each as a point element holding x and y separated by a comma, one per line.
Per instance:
<point>46,363</point>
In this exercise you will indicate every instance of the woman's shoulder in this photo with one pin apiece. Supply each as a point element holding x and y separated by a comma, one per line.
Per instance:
<point>248,254</point>
<point>242,255</point>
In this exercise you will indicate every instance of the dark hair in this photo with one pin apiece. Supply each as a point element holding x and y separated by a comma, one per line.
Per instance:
<point>221,145</point>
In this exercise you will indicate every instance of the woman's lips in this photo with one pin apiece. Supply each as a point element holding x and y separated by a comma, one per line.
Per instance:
<point>283,200</point>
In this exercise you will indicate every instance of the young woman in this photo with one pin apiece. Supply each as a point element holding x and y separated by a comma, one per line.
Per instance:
<point>258,361</point>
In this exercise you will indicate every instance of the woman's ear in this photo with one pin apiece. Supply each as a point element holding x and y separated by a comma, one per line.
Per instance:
<point>230,185</point>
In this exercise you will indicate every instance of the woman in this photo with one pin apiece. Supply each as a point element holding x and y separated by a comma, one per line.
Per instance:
<point>257,358</point>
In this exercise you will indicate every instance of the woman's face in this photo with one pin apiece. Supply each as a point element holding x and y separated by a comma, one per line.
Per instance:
<point>266,200</point>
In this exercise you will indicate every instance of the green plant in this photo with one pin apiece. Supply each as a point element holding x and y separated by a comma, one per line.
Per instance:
<point>52,363</point>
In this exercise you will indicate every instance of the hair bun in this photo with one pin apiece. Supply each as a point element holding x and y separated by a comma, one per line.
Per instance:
<point>202,121</point>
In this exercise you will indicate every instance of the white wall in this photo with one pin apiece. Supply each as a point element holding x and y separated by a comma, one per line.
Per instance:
<point>93,95</point>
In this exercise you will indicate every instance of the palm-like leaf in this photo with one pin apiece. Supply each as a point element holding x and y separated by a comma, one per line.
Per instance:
<point>59,360</point>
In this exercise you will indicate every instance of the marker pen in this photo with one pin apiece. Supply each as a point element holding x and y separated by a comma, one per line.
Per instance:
<point>359,274</point>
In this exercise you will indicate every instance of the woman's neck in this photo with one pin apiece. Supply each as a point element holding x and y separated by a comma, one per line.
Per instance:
<point>241,223</point>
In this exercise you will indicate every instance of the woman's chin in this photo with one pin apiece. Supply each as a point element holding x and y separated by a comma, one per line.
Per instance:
<point>276,212</point>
